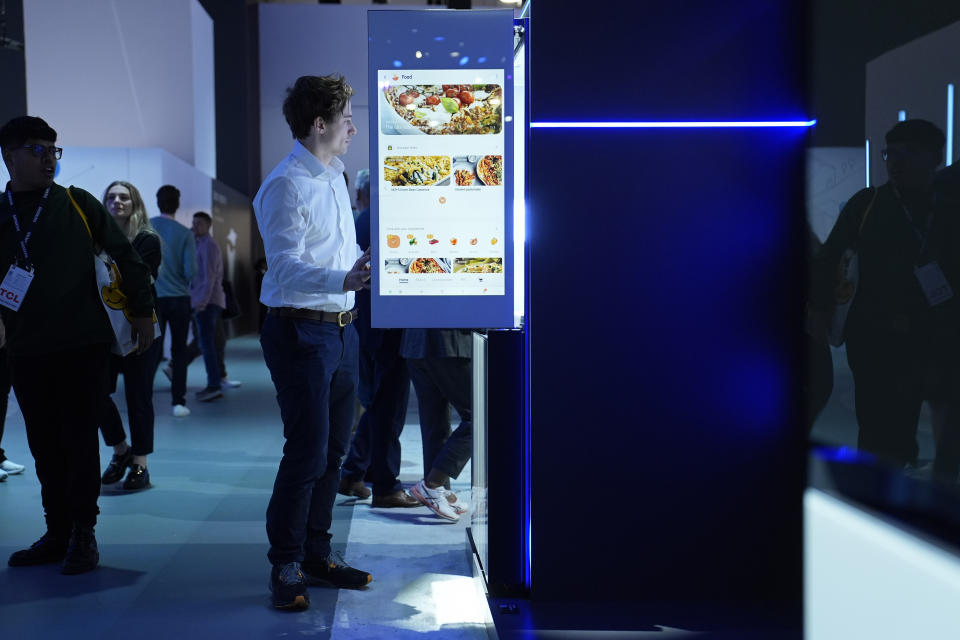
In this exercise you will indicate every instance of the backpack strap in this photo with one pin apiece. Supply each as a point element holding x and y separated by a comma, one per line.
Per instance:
<point>84,218</point>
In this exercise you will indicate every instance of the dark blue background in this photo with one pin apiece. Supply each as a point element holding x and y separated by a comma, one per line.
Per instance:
<point>667,279</point>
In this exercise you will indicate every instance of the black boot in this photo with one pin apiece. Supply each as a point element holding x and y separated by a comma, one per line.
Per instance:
<point>48,549</point>
<point>82,554</point>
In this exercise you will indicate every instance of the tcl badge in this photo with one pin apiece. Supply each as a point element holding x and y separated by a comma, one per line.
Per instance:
<point>14,287</point>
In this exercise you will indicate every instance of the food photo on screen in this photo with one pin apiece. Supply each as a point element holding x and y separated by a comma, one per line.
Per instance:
<point>478,265</point>
<point>417,171</point>
<point>442,109</point>
<point>417,265</point>
<point>478,171</point>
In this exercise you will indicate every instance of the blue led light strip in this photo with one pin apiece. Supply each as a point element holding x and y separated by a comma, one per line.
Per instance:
<point>730,124</point>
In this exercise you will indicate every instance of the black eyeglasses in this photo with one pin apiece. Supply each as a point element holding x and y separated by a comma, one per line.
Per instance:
<point>895,152</point>
<point>38,150</point>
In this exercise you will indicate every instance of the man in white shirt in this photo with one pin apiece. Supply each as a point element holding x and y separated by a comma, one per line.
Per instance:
<point>308,338</point>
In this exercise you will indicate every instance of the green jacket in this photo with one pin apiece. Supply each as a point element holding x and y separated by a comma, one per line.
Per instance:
<point>62,309</point>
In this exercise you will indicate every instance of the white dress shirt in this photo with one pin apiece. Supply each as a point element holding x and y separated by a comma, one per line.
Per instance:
<point>304,215</point>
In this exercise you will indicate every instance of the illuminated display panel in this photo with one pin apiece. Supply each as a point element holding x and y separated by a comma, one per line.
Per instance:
<point>442,169</point>
<point>442,175</point>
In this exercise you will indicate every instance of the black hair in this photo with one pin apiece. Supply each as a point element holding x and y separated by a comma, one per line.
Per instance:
<point>168,198</point>
<point>313,97</point>
<point>22,128</point>
<point>203,215</point>
<point>920,134</point>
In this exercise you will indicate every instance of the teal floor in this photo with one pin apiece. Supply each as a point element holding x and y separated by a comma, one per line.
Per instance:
<point>187,558</point>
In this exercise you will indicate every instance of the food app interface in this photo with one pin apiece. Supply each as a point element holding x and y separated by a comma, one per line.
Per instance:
<point>441,150</point>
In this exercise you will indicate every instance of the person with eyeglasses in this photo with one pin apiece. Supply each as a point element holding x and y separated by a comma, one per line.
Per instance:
<point>58,334</point>
<point>903,330</point>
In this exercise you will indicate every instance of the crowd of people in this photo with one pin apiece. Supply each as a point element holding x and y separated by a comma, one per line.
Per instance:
<point>317,342</point>
<point>57,341</point>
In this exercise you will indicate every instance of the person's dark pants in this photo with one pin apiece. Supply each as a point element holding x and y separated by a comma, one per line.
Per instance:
<point>206,329</point>
<point>220,341</point>
<point>375,451</point>
<point>175,312</point>
<point>4,395</point>
<point>888,373</point>
<point>59,395</point>
<point>137,373</point>
<point>313,366</point>
<point>439,383</point>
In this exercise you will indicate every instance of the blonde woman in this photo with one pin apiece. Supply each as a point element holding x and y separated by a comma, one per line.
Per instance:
<point>124,203</point>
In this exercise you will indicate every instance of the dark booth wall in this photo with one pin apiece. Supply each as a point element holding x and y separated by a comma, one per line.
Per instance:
<point>13,71</point>
<point>666,271</point>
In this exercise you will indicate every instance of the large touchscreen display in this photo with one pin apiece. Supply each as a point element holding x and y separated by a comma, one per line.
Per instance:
<point>441,174</point>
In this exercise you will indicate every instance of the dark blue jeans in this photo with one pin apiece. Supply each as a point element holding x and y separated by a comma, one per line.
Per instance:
<point>313,366</point>
<point>175,312</point>
<point>207,327</point>
<point>375,451</point>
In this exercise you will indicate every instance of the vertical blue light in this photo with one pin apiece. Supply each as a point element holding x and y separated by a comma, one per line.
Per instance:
<point>901,115</point>
<point>866,153</point>
<point>949,124</point>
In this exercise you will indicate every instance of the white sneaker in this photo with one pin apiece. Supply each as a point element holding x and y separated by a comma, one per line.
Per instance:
<point>458,505</point>
<point>435,500</point>
<point>11,467</point>
<point>180,411</point>
<point>3,475</point>
<point>229,384</point>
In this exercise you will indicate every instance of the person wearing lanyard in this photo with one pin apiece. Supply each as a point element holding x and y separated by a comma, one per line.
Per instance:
<point>308,338</point>
<point>902,328</point>
<point>58,334</point>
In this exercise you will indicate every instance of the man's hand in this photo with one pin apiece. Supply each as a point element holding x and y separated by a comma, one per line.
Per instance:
<point>142,333</point>
<point>201,307</point>
<point>359,275</point>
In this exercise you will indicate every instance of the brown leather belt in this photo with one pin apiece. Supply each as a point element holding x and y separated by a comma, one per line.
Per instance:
<point>339,318</point>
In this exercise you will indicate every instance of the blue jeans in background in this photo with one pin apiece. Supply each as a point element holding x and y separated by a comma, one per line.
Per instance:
<point>206,327</point>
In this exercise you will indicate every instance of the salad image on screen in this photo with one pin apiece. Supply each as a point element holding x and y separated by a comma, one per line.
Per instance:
<point>442,109</point>
<point>416,171</point>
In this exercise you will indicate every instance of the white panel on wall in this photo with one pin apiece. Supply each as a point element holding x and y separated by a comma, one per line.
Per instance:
<point>912,78</point>
<point>866,578</point>
<point>204,103</point>
<point>115,72</point>
<point>93,168</point>
<point>298,40</point>
<point>834,174</point>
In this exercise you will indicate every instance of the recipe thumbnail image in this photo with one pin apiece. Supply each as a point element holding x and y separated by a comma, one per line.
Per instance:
<point>442,109</point>
<point>417,265</point>
<point>475,171</point>
<point>478,265</point>
<point>417,171</point>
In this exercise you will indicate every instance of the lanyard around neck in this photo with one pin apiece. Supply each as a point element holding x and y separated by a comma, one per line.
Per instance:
<point>25,238</point>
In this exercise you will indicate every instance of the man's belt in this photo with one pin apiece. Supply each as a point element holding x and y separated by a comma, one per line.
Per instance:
<point>339,318</point>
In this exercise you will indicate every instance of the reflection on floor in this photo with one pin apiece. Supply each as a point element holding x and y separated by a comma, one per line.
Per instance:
<point>187,558</point>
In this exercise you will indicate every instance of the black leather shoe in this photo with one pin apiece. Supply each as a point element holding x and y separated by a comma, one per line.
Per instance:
<point>334,572</point>
<point>46,550</point>
<point>354,488</point>
<point>82,554</point>
<point>118,465</point>
<point>138,478</point>
<point>400,499</point>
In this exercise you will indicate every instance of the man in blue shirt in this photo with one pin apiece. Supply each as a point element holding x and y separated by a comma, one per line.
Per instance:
<point>177,269</point>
